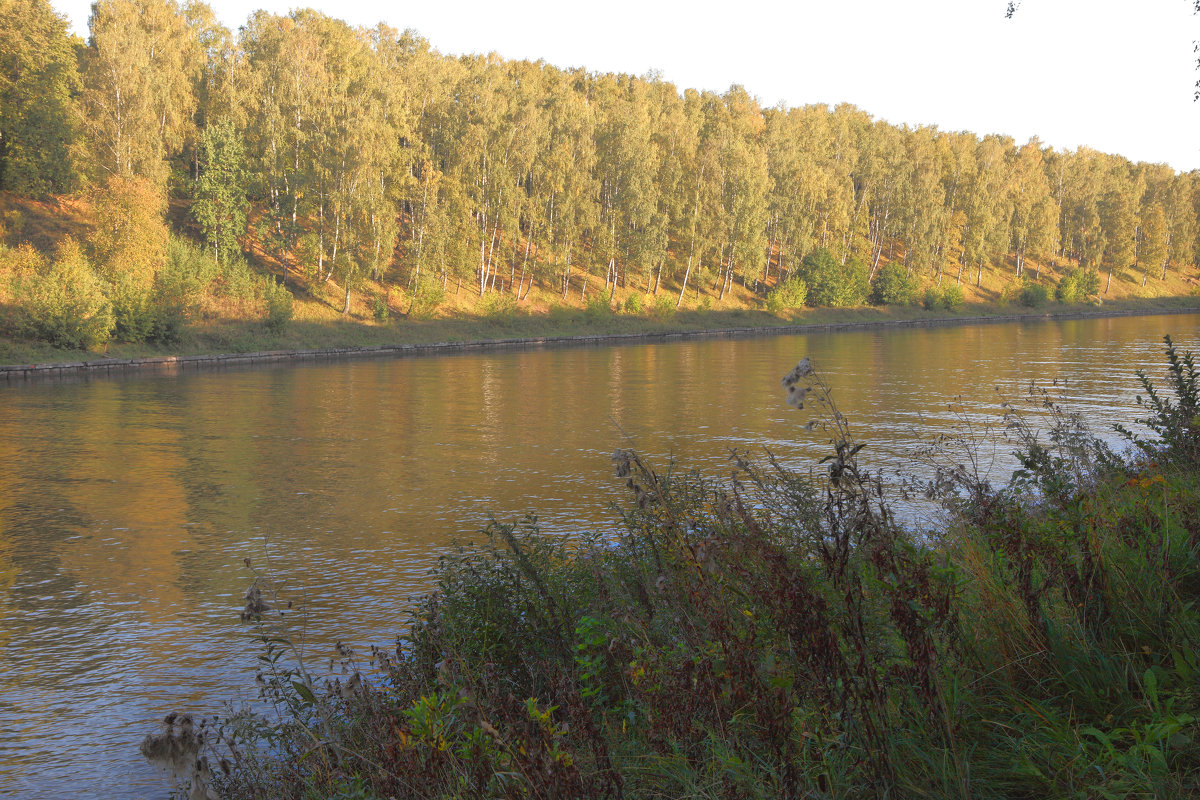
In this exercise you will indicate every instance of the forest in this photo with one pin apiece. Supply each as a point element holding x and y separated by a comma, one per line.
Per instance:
<point>169,159</point>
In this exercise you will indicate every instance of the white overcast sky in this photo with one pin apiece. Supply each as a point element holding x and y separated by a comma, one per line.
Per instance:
<point>1114,75</point>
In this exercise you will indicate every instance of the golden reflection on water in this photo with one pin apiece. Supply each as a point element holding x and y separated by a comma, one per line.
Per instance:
<point>128,505</point>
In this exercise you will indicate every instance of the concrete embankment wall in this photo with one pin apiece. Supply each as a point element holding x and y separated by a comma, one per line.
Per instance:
<point>11,373</point>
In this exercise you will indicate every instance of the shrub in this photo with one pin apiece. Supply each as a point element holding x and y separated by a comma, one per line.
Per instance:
<point>664,307</point>
<point>279,305</point>
<point>832,283</point>
<point>893,286</point>
<point>952,297</point>
<point>496,306</point>
<point>561,312</point>
<point>931,299</point>
<point>379,309</point>
<point>597,307</point>
<point>12,224</point>
<point>1077,286</point>
<point>1034,295</point>
<point>238,282</point>
<point>159,312</point>
<point>634,305</point>
<point>187,276</point>
<point>427,295</point>
<point>134,312</point>
<point>65,304</point>
<point>1176,422</point>
<point>15,264</point>
<point>788,294</point>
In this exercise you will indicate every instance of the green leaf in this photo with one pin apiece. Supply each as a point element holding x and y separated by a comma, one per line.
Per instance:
<point>304,692</point>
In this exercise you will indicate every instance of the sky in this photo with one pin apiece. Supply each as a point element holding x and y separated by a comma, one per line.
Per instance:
<point>1114,76</point>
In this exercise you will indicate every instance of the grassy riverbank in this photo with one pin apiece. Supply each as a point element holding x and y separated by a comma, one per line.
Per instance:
<point>55,307</point>
<point>779,636</point>
<point>316,332</point>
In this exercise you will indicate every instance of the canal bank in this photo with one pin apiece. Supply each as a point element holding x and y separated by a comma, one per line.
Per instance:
<point>15,373</point>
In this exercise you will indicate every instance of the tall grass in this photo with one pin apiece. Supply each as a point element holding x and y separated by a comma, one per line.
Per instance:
<point>778,635</point>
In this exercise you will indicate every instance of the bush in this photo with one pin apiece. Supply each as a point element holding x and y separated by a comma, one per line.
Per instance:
<point>1175,423</point>
<point>788,294</point>
<point>893,286</point>
<point>952,297</point>
<point>634,305</point>
<point>12,224</point>
<point>379,309</point>
<point>664,307</point>
<point>427,295</point>
<point>496,306</point>
<point>135,315</point>
<point>597,307</point>
<point>279,305</point>
<point>65,304</point>
<point>832,283</point>
<point>931,299</point>
<point>186,277</point>
<point>238,282</point>
<point>15,264</point>
<point>1077,286</point>
<point>1034,295</point>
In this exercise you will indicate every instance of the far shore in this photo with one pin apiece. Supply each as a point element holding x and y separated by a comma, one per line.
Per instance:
<point>521,331</point>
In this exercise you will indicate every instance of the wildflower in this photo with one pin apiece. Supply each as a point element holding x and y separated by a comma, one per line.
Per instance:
<point>791,383</point>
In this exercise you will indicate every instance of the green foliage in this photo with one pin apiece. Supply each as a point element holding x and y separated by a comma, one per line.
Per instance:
<point>612,167</point>
<point>597,307</point>
<point>1034,295</point>
<point>379,309</point>
<point>134,313</point>
<point>39,118</point>
<point>893,286</point>
<point>238,282</point>
<point>788,294</point>
<point>496,306</point>
<point>832,283</point>
<point>427,295</point>
<point>1077,286</point>
<point>633,305</point>
<point>952,297</point>
<point>932,298</point>
<point>187,276</point>
<point>12,224</point>
<point>948,299</point>
<point>220,195</point>
<point>279,305</point>
<point>664,307</point>
<point>159,311</point>
<point>64,304</point>
<point>1176,422</point>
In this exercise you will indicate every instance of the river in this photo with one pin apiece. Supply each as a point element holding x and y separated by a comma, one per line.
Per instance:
<point>128,504</point>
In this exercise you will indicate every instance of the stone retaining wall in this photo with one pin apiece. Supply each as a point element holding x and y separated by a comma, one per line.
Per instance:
<point>12,373</point>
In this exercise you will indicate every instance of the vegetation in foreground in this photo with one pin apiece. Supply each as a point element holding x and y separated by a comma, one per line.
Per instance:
<point>779,636</point>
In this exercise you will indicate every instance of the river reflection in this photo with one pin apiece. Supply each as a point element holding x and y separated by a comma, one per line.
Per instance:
<point>127,505</point>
